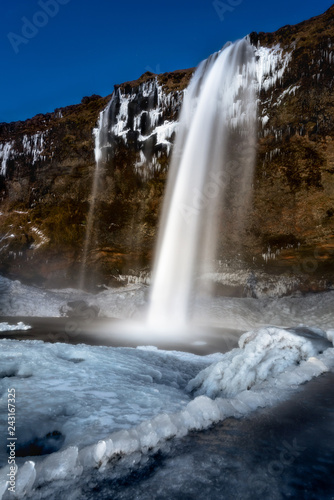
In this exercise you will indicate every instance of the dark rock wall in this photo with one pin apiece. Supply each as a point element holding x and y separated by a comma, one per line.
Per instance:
<point>292,223</point>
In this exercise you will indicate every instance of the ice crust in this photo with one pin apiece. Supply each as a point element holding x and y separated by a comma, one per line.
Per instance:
<point>261,355</point>
<point>120,401</point>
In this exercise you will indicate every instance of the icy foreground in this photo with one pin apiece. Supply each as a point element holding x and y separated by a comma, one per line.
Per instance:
<point>83,405</point>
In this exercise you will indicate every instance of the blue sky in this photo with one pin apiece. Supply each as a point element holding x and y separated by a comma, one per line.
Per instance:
<point>84,47</point>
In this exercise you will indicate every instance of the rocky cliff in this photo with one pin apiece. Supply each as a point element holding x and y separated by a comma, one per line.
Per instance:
<point>48,167</point>
<point>292,223</point>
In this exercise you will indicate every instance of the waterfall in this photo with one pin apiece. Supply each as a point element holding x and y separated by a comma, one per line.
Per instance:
<point>101,146</point>
<point>98,132</point>
<point>209,180</point>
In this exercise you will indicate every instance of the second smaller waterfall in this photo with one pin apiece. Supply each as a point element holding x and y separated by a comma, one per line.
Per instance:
<point>90,217</point>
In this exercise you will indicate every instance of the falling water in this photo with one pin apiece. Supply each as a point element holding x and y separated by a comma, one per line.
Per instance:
<point>98,133</point>
<point>210,177</point>
<point>90,217</point>
<point>102,145</point>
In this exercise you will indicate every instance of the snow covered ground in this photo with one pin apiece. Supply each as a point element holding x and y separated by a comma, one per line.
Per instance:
<point>17,299</point>
<point>130,301</point>
<point>79,408</point>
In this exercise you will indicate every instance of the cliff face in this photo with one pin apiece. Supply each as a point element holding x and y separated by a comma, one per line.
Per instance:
<point>292,224</point>
<point>48,165</point>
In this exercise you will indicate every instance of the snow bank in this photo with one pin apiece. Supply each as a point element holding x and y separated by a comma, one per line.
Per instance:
<point>261,355</point>
<point>313,310</point>
<point>17,299</point>
<point>6,327</point>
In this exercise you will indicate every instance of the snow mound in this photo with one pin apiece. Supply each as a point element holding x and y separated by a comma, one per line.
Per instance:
<point>17,299</point>
<point>6,327</point>
<point>262,354</point>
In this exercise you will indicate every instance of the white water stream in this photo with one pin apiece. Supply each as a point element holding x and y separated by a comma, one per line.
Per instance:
<point>210,172</point>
